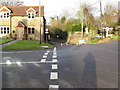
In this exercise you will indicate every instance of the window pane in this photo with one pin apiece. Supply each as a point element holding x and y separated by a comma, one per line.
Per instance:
<point>28,16</point>
<point>1,28</point>
<point>29,30</point>
<point>33,30</point>
<point>32,16</point>
<point>5,30</point>
<point>1,31</point>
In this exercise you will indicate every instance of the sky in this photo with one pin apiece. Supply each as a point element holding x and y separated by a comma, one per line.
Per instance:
<point>58,7</point>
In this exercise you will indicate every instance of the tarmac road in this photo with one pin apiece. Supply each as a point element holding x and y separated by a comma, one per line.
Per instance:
<point>67,66</point>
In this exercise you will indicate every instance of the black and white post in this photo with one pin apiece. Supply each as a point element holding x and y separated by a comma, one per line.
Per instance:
<point>46,34</point>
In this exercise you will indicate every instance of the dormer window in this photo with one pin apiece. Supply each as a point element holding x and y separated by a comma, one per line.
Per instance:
<point>31,13</point>
<point>4,12</point>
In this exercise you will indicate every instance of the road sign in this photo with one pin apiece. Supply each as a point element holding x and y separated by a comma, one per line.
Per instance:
<point>81,42</point>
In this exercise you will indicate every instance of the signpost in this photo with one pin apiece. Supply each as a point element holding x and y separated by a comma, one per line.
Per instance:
<point>46,32</point>
<point>107,31</point>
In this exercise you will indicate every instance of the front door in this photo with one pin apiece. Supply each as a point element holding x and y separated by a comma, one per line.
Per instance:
<point>20,33</point>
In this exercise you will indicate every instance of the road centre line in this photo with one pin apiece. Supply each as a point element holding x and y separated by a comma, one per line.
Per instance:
<point>54,75</point>
<point>54,60</point>
<point>45,53</point>
<point>54,56</point>
<point>54,66</point>
<point>53,87</point>
<point>54,53</point>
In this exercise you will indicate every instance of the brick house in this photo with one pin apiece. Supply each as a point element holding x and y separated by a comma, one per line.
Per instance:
<point>22,22</point>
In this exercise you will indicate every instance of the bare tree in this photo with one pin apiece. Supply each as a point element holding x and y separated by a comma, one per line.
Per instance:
<point>110,15</point>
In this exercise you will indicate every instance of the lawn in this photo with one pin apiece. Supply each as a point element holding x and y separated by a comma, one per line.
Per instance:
<point>5,40</point>
<point>27,45</point>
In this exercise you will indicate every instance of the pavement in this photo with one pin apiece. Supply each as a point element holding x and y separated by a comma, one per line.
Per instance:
<point>65,66</point>
<point>9,43</point>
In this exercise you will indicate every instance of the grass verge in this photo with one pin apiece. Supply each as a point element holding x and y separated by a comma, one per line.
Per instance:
<point>27,45</point>
<point>5,40</point>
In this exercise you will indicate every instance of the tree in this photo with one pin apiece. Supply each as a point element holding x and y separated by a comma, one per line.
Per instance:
<point>86,18</point>
<point>63,19</point>
<point>11,3</point>
<point>110,16</point>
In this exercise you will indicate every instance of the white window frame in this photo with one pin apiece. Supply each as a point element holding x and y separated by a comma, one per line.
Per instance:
<point>3,15</point>
<point>4,30</point>
<point>32,15</point>
<point>31,30</point>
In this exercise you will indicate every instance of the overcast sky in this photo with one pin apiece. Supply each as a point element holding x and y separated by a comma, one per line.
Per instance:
<point>56,7</point>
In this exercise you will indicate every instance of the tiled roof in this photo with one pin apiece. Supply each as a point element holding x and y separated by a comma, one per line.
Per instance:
<point>21,10</point>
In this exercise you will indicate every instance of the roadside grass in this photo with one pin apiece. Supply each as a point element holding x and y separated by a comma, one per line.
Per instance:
<point>27,45</point>
<point>5,40</point>
<point>94,40</point>
<point>116,37</point>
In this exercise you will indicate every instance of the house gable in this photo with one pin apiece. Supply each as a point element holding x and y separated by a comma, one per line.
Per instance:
<point>31,10</point>
<point>4,9</point>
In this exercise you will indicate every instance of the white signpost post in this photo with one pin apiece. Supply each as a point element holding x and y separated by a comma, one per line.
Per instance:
<point>46,32</point>
<point>107,31</point>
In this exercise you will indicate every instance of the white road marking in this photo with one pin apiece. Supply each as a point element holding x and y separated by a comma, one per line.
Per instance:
<point>8,62</point>
<point>18,63</point>
<point>37,62</point>
<point>55,48</point>
<point>54,66</point>
<point>44,56</point>
<point>53,87</point>
<point>54,56</point>
<point>45,46</point>
<point>45,53</point>
<point>54,53</point>
<point>48,51</point>
<point>37,65</point>
<point>54,60</point>
<point>43,60</point>
<point>54,75</point>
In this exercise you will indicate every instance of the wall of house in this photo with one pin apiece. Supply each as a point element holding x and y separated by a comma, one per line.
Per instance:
<point>5,22</point>
<point>29,22</point>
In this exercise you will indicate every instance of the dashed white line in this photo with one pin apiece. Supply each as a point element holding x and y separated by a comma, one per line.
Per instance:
<point>44,56</point>
<point>18,63</point>
<point>43,60</point>
<point>53,87</point>
<point>8,62</point>
<point>54,53</point>
<point>54,75</point>
<point>54,66</point>
<point>48,51</point>
<point>54,56</point>
<point>45,53</point>
<point>54,60</point>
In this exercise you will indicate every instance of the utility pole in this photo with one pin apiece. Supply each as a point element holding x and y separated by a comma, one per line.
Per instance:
<point>40,21</point>
<point>100,18</point>
<point>82,21</point>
